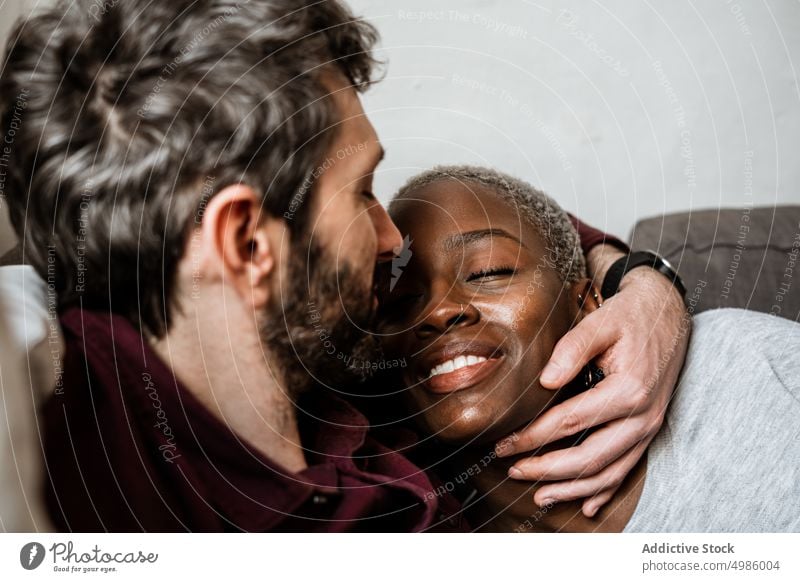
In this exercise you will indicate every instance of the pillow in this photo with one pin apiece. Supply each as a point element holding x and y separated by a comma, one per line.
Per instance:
<point>31,347</point>
<point>744,257</point>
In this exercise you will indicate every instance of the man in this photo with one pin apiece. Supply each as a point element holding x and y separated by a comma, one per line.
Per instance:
<point>196,180</point>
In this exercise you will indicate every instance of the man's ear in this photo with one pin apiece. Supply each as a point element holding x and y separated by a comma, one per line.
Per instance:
<point>586,296</point>
<point>235,243</point>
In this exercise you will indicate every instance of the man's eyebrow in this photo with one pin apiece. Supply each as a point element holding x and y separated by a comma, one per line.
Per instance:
<point>466,238</point>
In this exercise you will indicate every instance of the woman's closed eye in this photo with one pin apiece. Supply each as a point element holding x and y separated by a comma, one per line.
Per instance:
<point>491,274</point>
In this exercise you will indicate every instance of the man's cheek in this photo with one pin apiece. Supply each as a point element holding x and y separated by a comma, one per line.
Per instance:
<point>360,245</point>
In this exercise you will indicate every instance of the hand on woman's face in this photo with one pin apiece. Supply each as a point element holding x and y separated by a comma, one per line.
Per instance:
<point>476,311</point>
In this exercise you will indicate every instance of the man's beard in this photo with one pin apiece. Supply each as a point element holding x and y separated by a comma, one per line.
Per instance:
<point>320,333</point>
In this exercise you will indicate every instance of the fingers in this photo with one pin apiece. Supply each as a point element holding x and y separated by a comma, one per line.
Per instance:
<point>591,457</point>
<point>592,505</point>
<point>599,489</point>
<point>604,403</point>
<point>592,336</point>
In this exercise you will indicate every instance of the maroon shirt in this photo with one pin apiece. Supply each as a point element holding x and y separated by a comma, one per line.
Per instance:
<point>129,449</point>
<point>591,237</point>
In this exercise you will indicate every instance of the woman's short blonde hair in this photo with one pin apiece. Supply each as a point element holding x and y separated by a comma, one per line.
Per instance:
<point>537,208</point>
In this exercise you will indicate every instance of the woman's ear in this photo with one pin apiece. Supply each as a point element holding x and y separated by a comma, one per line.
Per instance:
<point>587,297</point>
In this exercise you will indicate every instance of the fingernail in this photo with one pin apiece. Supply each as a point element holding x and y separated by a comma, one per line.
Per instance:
<point>591,511</point>
<point>551,373</point>
<point>546,502</point>
<point>515,473</point>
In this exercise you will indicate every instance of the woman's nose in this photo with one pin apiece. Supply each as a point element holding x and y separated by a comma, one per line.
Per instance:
<point>446,315</point>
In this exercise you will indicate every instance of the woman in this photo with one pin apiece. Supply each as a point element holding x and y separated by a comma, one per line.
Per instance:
<point>495,278</point>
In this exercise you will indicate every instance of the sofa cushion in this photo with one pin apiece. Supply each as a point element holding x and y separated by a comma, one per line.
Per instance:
<point>745,257</point>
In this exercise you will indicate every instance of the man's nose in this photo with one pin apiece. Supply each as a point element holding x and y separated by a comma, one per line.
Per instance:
<point>389,240</point>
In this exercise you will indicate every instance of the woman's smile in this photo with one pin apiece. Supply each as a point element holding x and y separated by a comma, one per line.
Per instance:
<point>457,365</point>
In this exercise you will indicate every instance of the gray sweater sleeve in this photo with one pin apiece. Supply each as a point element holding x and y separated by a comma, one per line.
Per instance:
<point>728,456</point>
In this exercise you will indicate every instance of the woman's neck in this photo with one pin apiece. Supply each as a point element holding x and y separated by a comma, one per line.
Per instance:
<point>504,504</point>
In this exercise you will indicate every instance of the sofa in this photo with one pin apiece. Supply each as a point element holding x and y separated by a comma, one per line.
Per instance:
<point>747,258</point>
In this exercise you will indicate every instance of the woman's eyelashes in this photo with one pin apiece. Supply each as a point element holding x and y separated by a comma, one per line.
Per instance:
<point>491,274</point>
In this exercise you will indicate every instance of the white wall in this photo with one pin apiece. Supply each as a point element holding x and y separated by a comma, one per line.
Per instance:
<point>573,101</point>
<point>571,96</point>
<point>10,10</point>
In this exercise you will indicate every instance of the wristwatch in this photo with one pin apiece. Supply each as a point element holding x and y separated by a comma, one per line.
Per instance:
<point>623,265</point>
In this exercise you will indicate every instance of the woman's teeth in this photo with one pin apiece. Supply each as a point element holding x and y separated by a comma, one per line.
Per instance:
<point>455,364</point>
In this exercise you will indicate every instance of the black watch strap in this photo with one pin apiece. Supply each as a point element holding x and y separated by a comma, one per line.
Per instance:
<point>623,265</point>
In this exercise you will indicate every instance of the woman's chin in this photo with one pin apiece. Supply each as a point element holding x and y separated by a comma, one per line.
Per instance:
<point>465,429</point>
